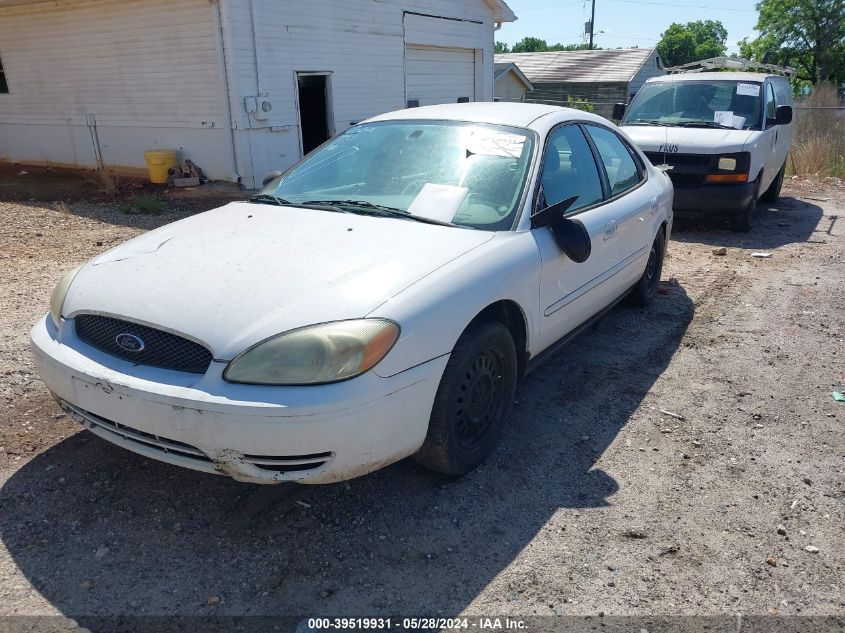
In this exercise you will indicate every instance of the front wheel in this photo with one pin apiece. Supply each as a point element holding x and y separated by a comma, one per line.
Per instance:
<point>473,400</point>
<point>741,222</point>
<point>646,288</point>
<point>773,192</point>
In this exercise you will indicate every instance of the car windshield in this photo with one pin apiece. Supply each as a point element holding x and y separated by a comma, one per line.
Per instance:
<point>700,103</point>
<point>467,174</point>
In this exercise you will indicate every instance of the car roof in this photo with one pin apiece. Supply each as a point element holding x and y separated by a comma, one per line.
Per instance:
<point>514,114</point>
<point>714,76</point>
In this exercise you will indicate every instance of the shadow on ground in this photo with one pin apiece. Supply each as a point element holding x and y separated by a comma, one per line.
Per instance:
<point>790,221</point>
<point>98,530</point>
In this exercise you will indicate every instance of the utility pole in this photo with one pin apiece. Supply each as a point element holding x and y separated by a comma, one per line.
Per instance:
<point>592,24</point>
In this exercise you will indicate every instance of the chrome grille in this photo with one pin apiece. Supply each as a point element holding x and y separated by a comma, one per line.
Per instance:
<point>159,348</point>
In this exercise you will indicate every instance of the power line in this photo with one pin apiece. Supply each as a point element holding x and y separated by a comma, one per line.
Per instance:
<point>658,4</point>
<point>685,6</point>
<point>552,6</point>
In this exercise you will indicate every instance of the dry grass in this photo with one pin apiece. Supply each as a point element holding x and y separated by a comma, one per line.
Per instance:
<point>818,144</point>
<point>106,182</point>
<point>62,207</point>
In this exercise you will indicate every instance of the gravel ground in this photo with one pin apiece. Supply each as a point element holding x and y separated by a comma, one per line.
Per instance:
<point>596,501</point>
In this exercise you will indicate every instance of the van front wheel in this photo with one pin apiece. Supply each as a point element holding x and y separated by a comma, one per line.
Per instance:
<point>773,192</point>
<point>741,222</point>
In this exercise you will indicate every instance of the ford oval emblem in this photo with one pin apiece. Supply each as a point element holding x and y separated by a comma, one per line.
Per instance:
<point>129,342</point>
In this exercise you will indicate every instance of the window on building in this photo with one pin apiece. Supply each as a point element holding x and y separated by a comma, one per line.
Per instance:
<point>4,87</point>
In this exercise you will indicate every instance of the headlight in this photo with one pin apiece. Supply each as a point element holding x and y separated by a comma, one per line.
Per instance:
<point>727,164</point>
<point>317,354</point>
<point>57,299</point>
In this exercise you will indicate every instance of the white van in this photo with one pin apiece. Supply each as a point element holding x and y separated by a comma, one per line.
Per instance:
<point>722,135</point>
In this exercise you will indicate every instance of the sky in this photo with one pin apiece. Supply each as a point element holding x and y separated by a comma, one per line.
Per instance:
<point>624,22</point>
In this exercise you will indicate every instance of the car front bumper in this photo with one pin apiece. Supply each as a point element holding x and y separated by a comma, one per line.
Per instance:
<point>259,434</point>
<point>719,198</point>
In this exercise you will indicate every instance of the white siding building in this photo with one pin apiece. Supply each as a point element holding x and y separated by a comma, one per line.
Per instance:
<point>241,87</point>
<point>509,84</point>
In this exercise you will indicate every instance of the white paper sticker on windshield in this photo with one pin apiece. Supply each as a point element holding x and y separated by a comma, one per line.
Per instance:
<point>748,90</point>
<point>438,202</point>
<point>495,143</point>
<point>728,118</point>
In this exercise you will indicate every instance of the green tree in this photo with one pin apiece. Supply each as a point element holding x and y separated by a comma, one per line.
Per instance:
<point>501,47</point>
<point>530,45</point>
<point>684,43</point>
<point>583,46</point>
<point>808,35</point>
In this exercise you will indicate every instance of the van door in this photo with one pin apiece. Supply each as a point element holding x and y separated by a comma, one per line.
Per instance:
<point>783,133</point>
<point>771,161</point>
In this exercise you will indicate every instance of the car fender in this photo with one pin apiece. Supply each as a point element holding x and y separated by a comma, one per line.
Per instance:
<point>434,311</point>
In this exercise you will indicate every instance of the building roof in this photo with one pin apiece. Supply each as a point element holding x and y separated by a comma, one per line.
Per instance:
<point>500,69</point>
<point>587,66</point>
<point>501,11</point>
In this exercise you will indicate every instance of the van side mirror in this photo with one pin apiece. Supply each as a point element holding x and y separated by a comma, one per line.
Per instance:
<point>271,177</point>
<point>783,115</point>
<point>570,234</point>
<point>619,111</point>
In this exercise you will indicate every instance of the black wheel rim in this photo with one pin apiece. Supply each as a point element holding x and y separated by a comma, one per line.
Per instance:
<point>651,266</point>
<point>480,396</point>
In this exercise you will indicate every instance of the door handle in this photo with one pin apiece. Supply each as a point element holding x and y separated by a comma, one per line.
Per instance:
<point>610,229</point>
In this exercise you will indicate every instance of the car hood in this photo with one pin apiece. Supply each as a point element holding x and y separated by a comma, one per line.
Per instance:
<point>688,140</point>
<point>238,274</point>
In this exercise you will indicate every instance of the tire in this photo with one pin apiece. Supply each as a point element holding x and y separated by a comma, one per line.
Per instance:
<point>772,194</point>
<point>645,289</point>
<point>473,400</point>
<point>741,222</point>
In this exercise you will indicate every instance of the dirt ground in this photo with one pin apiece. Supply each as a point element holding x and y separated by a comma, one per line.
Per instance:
<point>596,501</point>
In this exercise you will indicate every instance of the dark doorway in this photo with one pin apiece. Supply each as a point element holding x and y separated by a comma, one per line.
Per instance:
<point>313,110</point>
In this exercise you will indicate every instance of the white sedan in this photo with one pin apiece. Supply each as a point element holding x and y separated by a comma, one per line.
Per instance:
<point>380,299</point>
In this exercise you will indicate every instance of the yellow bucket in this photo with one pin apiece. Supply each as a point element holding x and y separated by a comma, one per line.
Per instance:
<point>159,161</point>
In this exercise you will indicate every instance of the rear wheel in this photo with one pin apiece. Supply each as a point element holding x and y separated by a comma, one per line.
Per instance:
<point>646,288</point>
<point>773,192</point>
<point>473,400</point>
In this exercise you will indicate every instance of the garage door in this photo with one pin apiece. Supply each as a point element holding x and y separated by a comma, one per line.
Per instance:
<point>435,74</point>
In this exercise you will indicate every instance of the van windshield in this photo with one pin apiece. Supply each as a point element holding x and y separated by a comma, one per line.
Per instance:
<point>699,103</point>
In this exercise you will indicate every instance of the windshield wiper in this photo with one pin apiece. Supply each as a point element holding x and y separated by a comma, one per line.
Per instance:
<point>649,122</point>
<point>364,207</point>
<point>707,124</point>
<point>268,198</point>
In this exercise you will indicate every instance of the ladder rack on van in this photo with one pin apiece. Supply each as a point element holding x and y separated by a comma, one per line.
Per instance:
<point>730,63</point>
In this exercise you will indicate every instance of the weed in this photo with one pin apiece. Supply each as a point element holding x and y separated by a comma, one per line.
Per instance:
<point>818,144</point>
<point>143,204</point>
<point>106,182</point>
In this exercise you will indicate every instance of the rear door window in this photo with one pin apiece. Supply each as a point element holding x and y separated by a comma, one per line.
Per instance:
<point>622,170</point>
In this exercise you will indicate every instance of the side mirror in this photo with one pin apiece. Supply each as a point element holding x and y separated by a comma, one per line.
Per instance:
<point>271,177</point>
<point>570,234</point>
<point>619,111</point>
<point>783,115</point>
